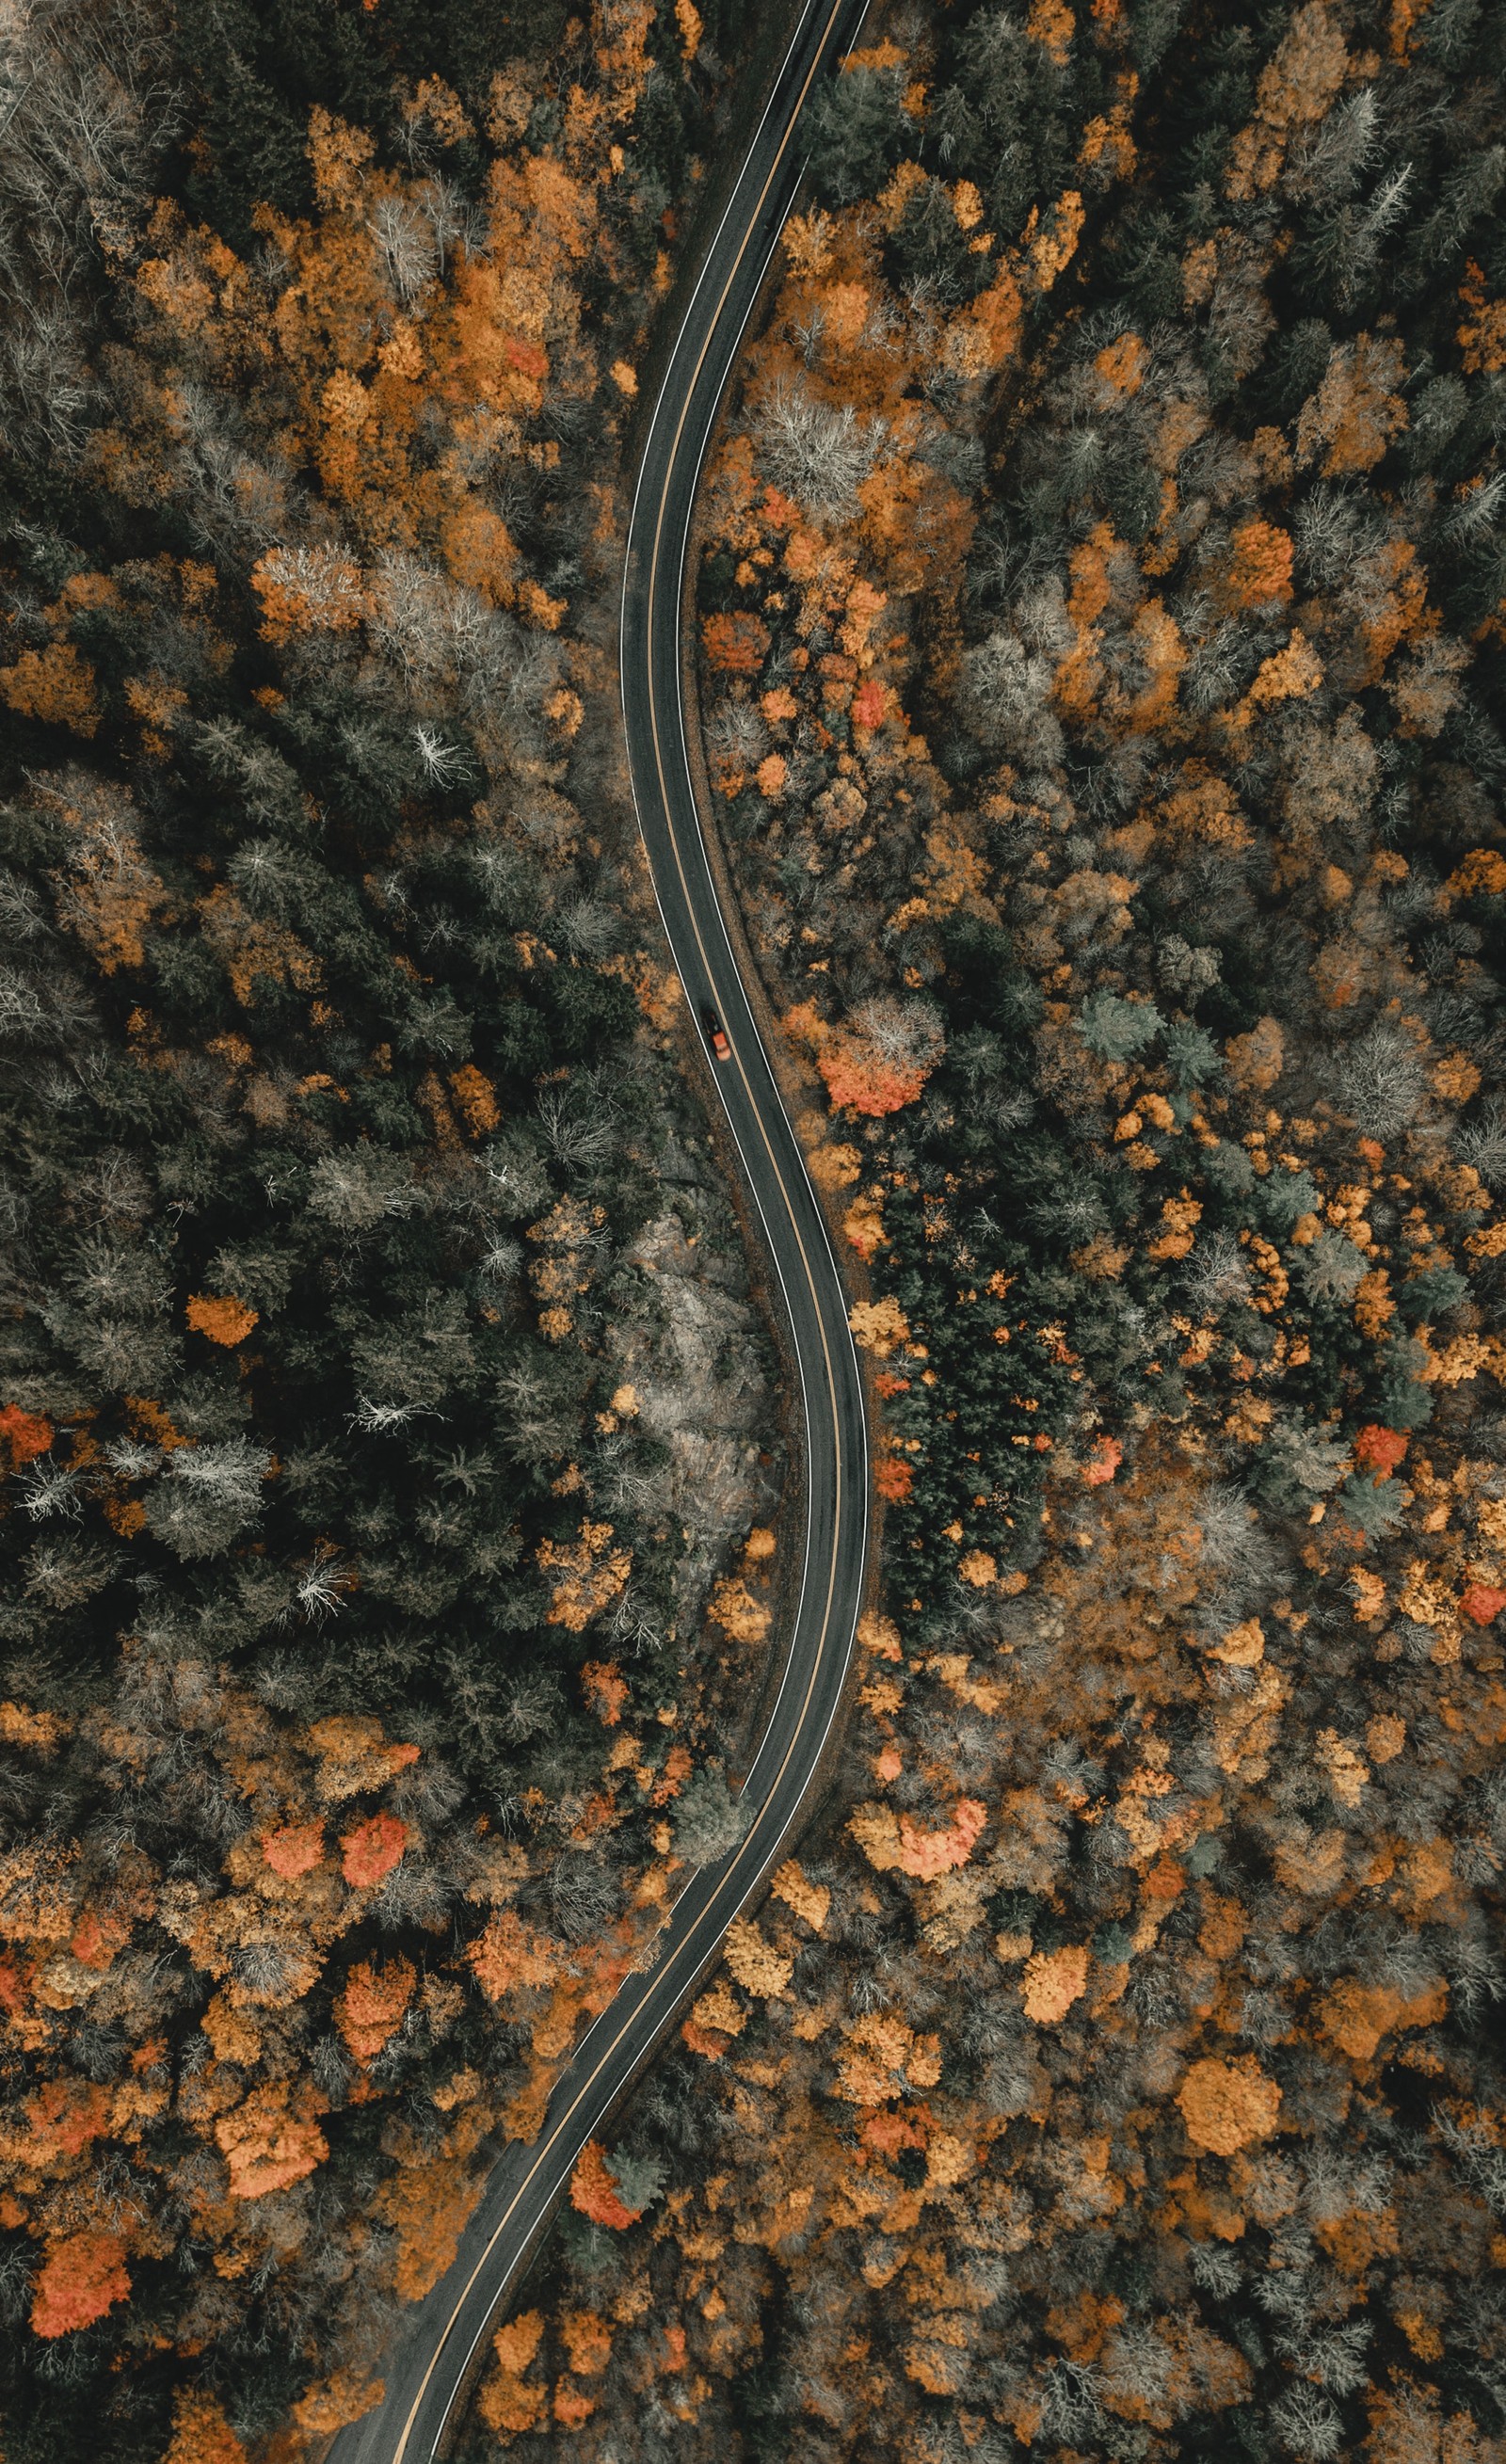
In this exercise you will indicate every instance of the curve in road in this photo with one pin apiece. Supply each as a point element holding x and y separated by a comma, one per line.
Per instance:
<point>444,2339</point>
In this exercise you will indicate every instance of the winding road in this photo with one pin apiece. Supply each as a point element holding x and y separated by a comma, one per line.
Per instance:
<point>444,2340</point>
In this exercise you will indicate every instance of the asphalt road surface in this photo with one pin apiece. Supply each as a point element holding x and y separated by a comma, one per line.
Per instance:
<point>444,2343</point>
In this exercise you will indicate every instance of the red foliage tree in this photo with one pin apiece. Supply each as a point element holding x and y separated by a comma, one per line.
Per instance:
<point>1380,1449</point>
<point>81,2278</point>
<point>373,1849</point>
<point>26,1433</point>
<point>594,2194</point>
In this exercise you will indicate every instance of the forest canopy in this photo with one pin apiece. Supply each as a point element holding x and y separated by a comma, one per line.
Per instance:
<point>1100,660</point>
<point>383,1402</point>
<point>1097,632</point>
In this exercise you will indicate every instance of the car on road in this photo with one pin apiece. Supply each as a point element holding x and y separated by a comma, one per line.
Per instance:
<point>716,1033</point>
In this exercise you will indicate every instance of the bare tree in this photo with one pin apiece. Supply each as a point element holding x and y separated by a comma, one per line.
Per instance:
<point>409,245</point>
<point>817,454</point>
<point>84,107</point>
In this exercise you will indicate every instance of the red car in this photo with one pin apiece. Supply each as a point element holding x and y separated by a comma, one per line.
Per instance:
<point>716,1035</point>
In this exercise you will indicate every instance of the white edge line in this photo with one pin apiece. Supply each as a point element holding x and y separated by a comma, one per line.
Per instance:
<point>791,48</point>
<point>657,1976</point>
<point>726,943</point>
